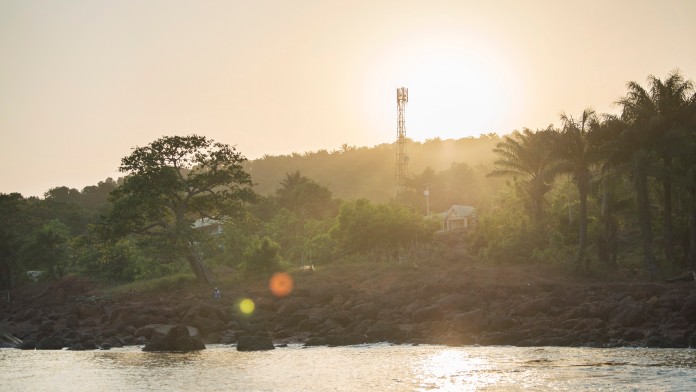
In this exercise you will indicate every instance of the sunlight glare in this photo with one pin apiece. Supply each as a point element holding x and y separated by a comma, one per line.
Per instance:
<point>458,86</point>
<point>454,370</point>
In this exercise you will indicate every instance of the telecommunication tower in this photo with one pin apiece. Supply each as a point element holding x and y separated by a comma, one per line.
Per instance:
<point>401,156</point>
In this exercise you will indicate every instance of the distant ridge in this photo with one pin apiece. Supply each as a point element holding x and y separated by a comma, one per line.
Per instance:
<point>368,172</point>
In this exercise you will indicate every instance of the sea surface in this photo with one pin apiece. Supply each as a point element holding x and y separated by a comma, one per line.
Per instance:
<point>375,367</point>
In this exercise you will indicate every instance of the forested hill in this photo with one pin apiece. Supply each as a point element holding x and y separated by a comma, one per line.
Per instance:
<point>368,172</point>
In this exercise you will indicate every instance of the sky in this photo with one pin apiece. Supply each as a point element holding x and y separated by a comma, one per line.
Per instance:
<point>82,82</point>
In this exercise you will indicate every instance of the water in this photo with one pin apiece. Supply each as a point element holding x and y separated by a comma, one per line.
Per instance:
<point>379,367</point>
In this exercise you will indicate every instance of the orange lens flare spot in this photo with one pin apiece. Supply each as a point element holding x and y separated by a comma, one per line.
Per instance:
<point>281,284</point>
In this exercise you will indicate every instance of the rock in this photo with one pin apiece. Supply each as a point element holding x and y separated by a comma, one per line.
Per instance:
<point>143,320</point>
<point>177,339</point>
<point>294,320</point>
<point>27,345</point>
<point>206,324</point>
<point>381,331</point>
<point>455,301</point>
<point>72,321</point>
<point>659,341</point>
<point>46,328</point>
<point>366,310</point>
<point>315,341</point>
<point>77,347</point>
<point>71,335</point>
<point>630,313</point>
<point>153,331</point>
<point>341,317</point>
<point>89,323</point>
<point>86,310</point>
<point>633,335</point>
<point>89,345</point>
<point>350,339</point>
<point>498,321</point>
<point>688,310</point>
<point>50,343</point>
<point>288,308</point>
<point>9,341</point>
<point>145,332</point>
<point>692,340</point>
<point>254,343</point>
<point>430,313</point>
<point>532,307</point>
<point>473,321</point>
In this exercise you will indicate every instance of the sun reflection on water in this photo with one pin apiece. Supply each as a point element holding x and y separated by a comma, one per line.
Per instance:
<point>455,370</point>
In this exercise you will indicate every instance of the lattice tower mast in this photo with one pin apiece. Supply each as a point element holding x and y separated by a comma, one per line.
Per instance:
<point>401,156</point>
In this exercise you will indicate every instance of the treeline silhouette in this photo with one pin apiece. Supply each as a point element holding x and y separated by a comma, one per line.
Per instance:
<point>598,192</point>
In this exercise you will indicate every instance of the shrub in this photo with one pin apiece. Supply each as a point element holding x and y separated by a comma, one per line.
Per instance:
<point>262,256</point>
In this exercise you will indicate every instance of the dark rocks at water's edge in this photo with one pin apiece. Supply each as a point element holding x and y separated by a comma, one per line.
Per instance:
<point>9,341</point>
<point>258,342</point>
<point>177,338</point>
<point>442,309</point>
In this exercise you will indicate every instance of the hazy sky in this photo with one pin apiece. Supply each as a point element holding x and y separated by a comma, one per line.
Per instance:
<point>82,82</point>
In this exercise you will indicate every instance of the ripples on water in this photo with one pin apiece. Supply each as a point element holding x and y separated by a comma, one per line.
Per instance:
<point>378,367</point>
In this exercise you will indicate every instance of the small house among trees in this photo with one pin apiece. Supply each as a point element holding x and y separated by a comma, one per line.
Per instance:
<point>459,217</point>
<point>208,226</point>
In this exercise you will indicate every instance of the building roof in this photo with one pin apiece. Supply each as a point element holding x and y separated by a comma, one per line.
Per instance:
<point>458,211</point>
<point>205,222</point>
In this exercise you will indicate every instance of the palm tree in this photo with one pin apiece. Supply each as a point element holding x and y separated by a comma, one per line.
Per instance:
<point>527,155</point>
<point>290,183</point>
<point>576,156</point>
<point>685,168</point>
<point>669,98</point>
<point>653,119</point>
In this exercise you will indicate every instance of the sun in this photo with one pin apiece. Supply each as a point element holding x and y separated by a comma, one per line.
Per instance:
<point>457,88</point>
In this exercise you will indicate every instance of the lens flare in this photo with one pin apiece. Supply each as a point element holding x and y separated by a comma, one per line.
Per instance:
<point>246,306</point>
<point>280,284</point>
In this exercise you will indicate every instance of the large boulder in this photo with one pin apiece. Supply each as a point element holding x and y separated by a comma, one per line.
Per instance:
<point>154,331</point>
<point>177,339</point>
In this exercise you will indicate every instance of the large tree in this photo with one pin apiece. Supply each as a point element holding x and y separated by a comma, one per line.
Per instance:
<point>172,182</point>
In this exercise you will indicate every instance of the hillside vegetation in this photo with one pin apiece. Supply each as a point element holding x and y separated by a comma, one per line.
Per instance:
<point>599,194</point>
<point>368,172</point>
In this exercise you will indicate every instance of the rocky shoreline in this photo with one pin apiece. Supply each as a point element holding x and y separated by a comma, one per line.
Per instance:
<point>457,306</point>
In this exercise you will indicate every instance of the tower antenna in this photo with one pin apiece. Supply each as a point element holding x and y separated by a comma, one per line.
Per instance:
<point>401,156</point>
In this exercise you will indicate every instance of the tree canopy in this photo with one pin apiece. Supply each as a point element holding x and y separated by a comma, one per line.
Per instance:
<point>172,182</point>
